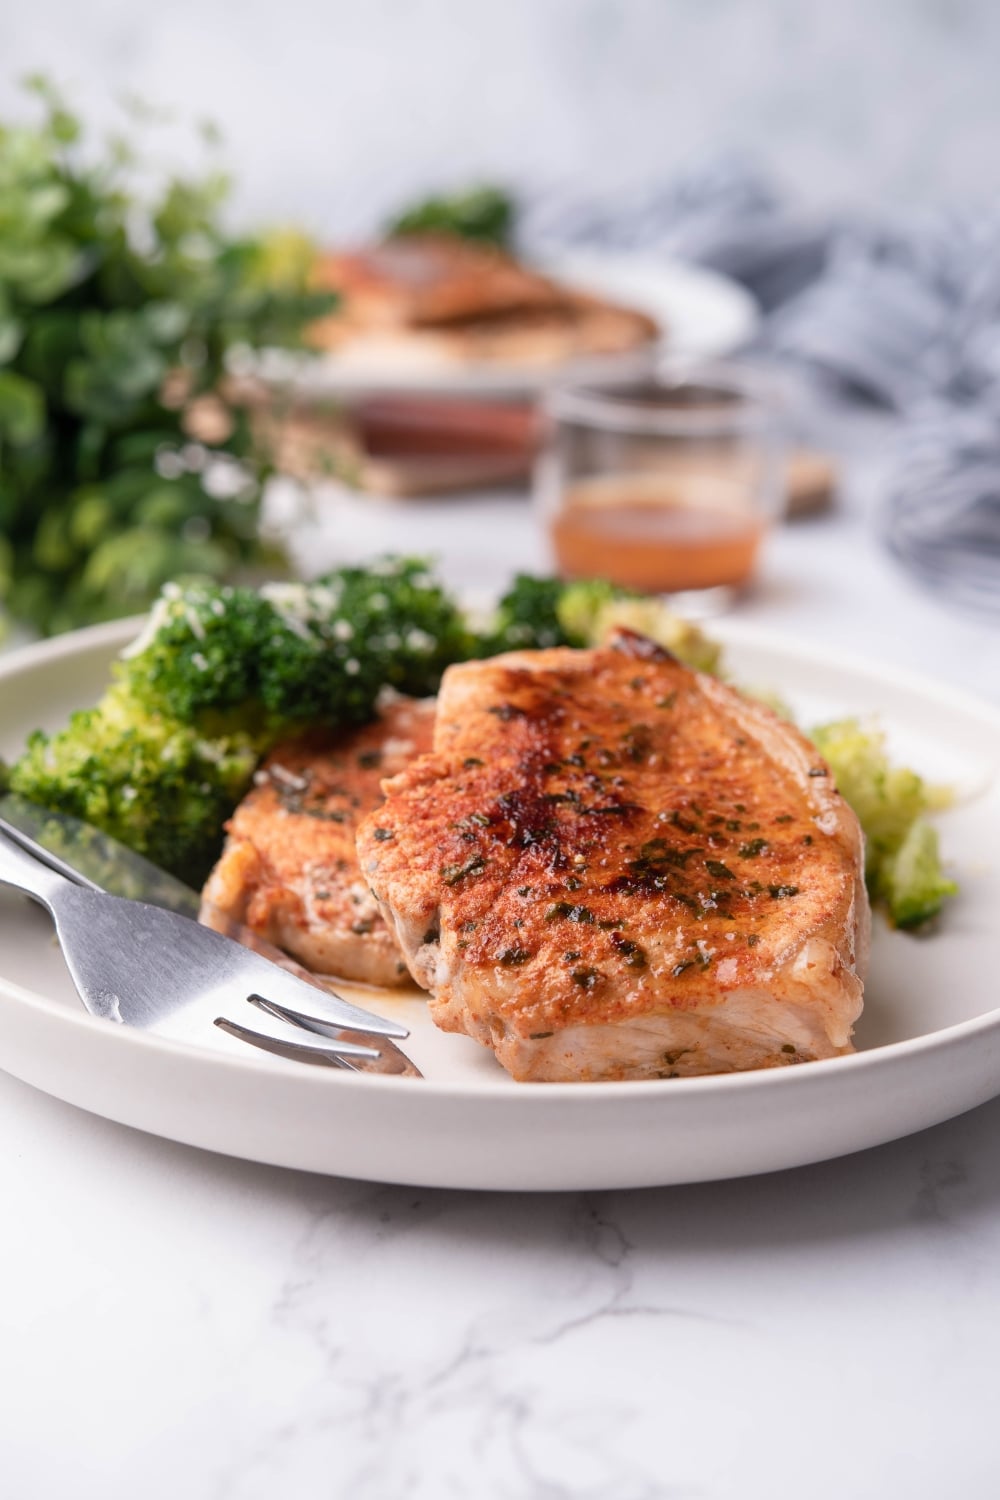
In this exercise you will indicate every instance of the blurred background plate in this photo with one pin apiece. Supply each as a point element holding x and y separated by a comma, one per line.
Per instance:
<point>704,314</point>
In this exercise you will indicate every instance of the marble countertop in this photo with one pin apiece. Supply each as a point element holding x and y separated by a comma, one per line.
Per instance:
<point>178,1323</point>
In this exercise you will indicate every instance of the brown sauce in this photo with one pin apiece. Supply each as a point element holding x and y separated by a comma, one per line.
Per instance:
<point>654,543</point>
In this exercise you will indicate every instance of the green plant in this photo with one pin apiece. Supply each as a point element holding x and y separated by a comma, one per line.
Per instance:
<point>482,213</point>
<point>121,465</point>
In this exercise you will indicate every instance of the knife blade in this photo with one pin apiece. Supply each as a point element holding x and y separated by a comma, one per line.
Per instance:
<point>90,857</point>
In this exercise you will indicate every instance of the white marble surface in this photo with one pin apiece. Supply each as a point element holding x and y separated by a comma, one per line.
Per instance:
<point>176,1323</point>
<point>180,1324</point>
<point>335,112</point>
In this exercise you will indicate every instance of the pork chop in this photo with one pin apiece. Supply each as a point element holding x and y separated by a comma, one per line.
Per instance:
<point>614,867</point>
<point>429,301</point>
<point>289,870</point>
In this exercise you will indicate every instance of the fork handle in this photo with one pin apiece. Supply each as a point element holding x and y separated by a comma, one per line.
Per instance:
<point>25,873</point>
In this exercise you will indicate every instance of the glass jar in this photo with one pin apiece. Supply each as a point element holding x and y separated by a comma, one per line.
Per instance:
<point>666,486</point>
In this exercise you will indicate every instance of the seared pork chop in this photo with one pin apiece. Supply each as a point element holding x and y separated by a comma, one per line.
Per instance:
<point>426,301</point>
<point>420,280</point>
<point>289,870</point>
<point>614,867</point>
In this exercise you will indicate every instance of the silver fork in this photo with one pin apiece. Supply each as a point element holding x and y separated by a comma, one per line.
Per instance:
<point>143,966</point>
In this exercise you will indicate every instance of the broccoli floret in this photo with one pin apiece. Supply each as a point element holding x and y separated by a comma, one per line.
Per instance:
<point>332,645</point>
<point>886,798</point>
<point>265,662</point>
<point>197,658</point>
<point>902,866</point>
<point>539,612</point>
<point>154,783</point>
<point>911,881</point>
<point>582,605</point>
<point>526,618</point>
<point>652,617</point>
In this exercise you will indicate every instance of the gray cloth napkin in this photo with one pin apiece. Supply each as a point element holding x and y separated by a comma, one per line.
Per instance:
<point>903,314</point>
<point>724,214</point>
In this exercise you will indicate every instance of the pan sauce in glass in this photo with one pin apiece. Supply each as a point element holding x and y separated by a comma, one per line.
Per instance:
<point>667,486</point>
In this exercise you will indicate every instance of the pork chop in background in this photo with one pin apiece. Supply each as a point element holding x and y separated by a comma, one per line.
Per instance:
<point>615,867</point>
<point>289,869</point>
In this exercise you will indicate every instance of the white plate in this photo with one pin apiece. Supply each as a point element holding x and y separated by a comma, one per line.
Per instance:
<point>706,315</point>
<point>929,1039</point>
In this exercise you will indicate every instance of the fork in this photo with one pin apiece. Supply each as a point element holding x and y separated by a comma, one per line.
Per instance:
<point>143,966</point>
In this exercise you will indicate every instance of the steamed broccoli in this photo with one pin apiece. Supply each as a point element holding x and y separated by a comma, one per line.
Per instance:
<point>154,783</point>
<point>581,607</point>
<point>652,617</point>
<point>539,612</point>
<point>217,675</point>
<point>911,881</point>
<point>196,661</point>
<point>339,641</point>
<point>267,661</point>
<point>526,618</point>
<point>902,865</point>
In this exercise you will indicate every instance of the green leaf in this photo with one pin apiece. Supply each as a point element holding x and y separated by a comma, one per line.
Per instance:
<point>120,290</point>
<point>54,550</point>
<point>133,566</point>
<point>65,127</point>
<point>166,322</point>
<point>39,273</point>
<point>22,408</point>
<point>90,446</point>
<point>11,337</point>
<point>6,566</point>
<point>52,339</point>
<point>91,518</point>
<point>42,204</point>
<point>482,213</point>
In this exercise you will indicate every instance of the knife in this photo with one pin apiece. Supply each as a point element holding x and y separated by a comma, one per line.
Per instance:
<point>92,858</point>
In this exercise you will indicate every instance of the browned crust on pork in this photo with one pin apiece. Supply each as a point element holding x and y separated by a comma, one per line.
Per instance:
<point>612,866</point>
<point>289,868</point>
